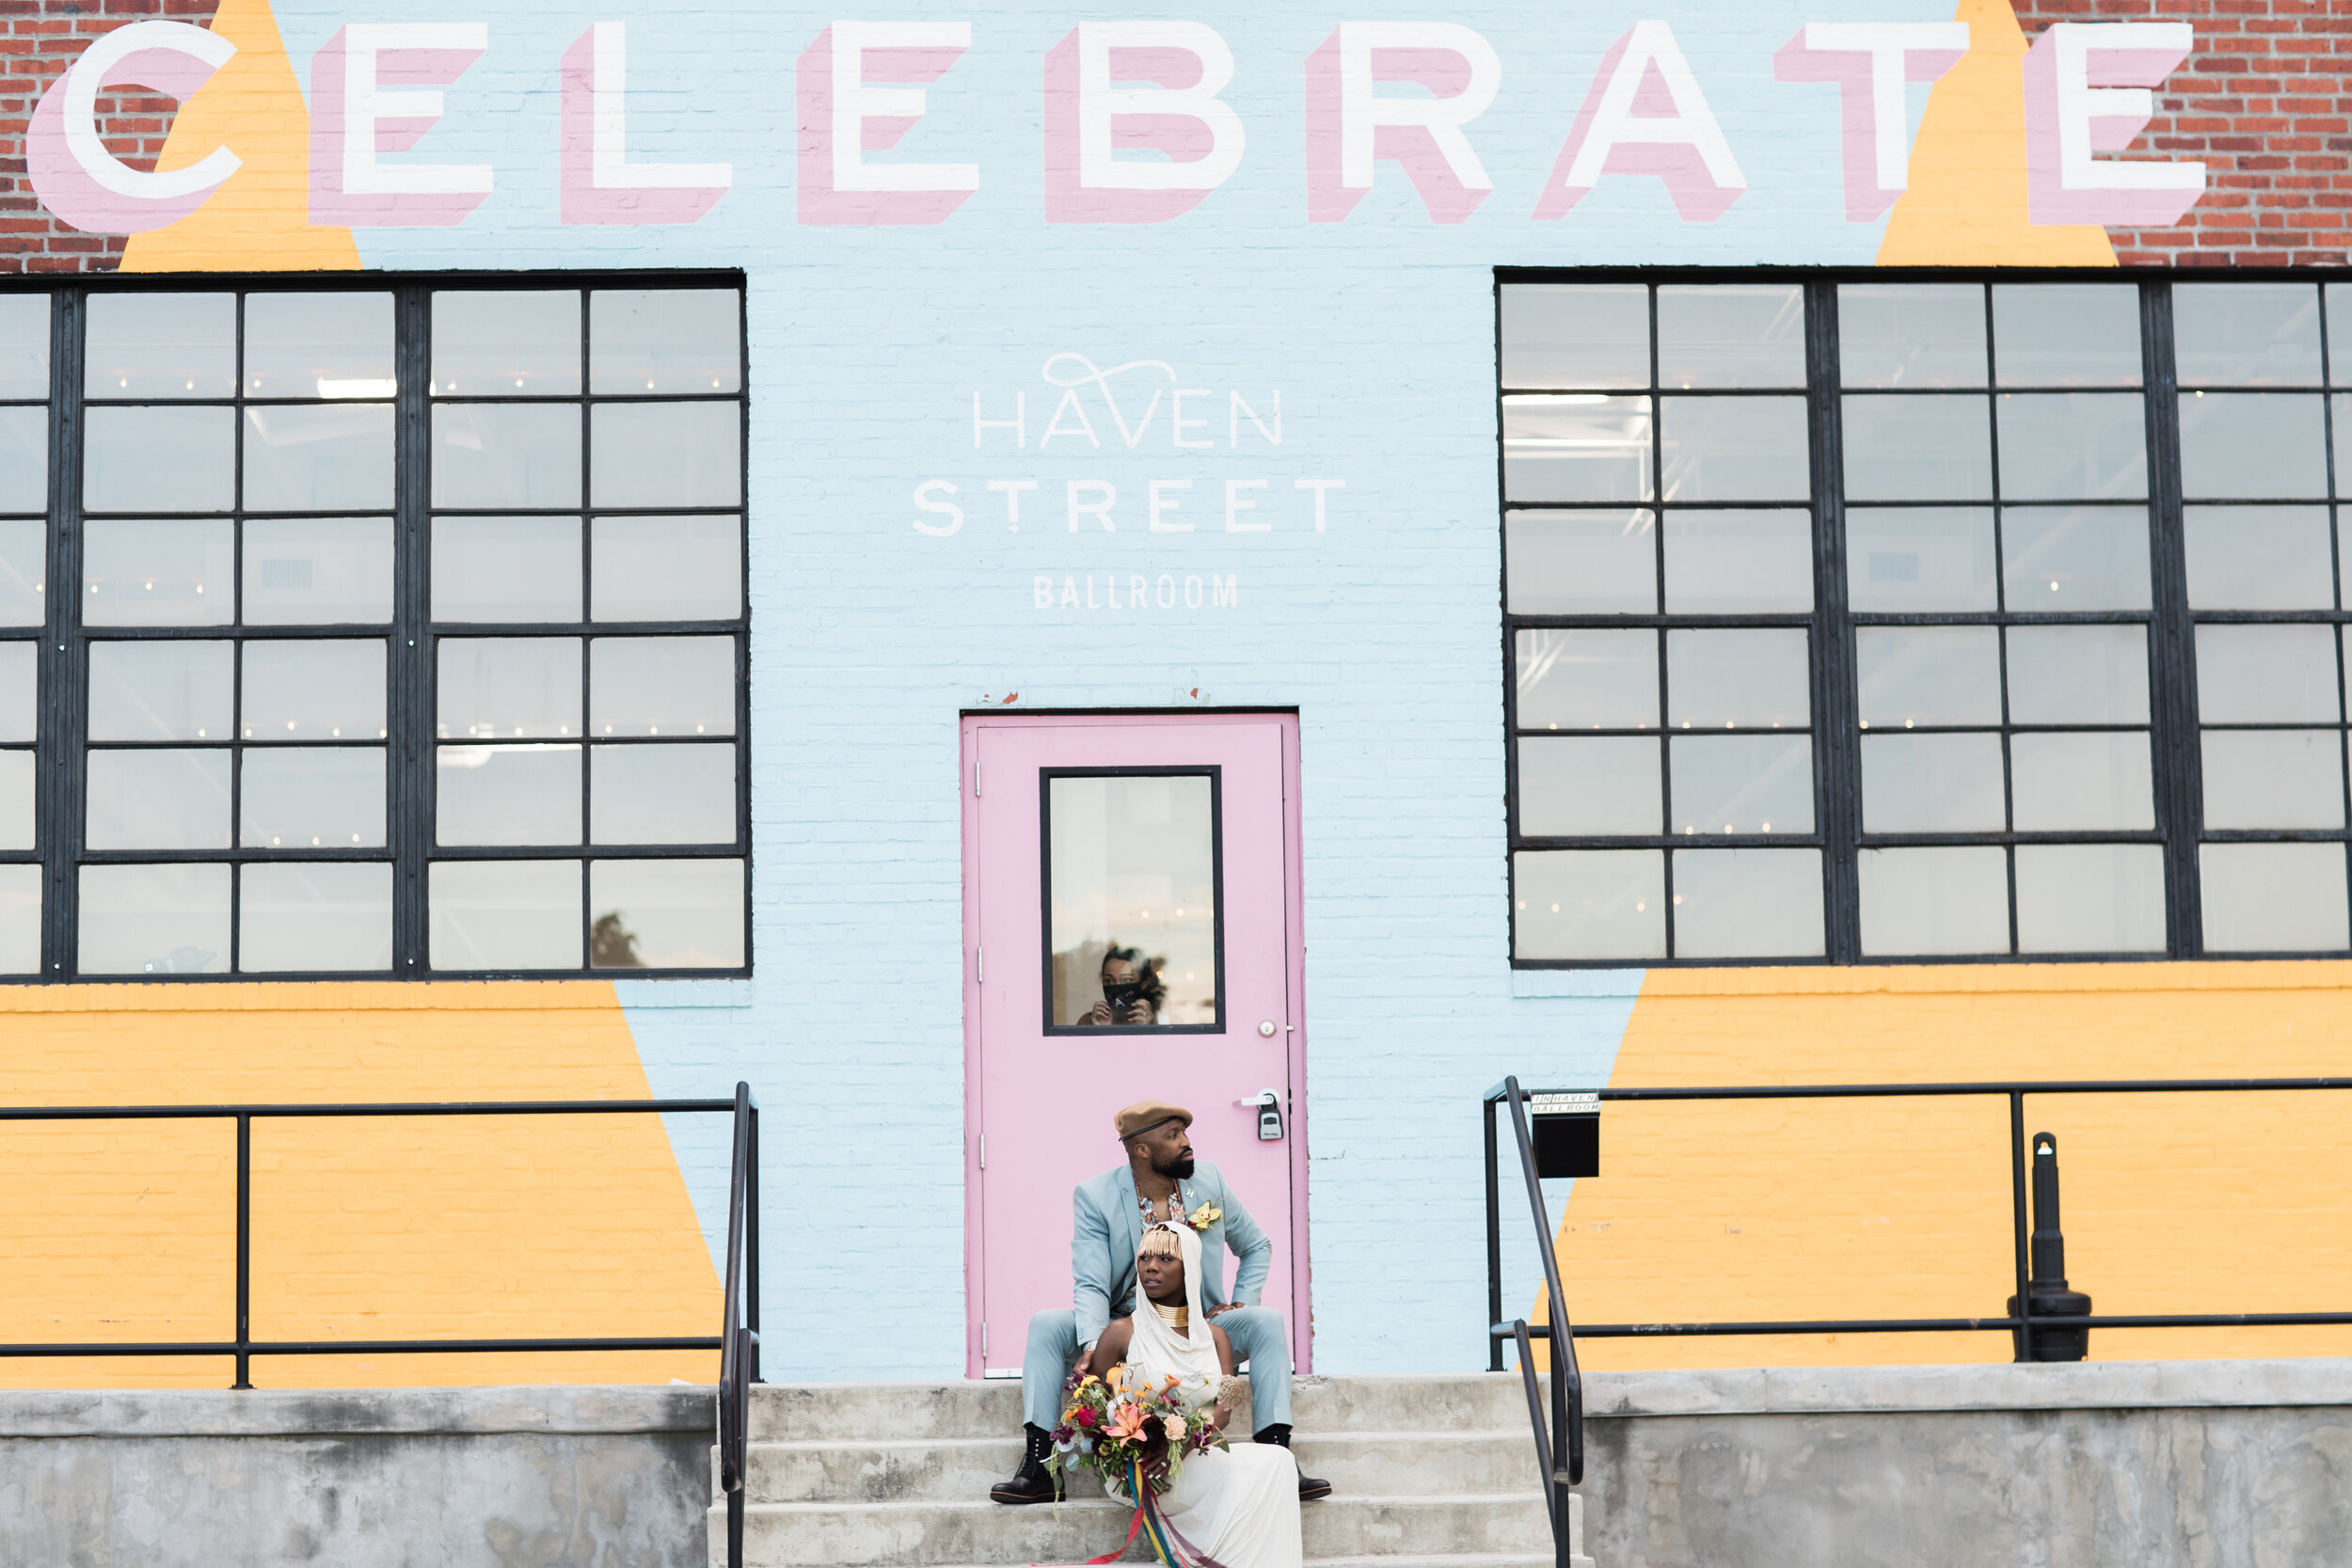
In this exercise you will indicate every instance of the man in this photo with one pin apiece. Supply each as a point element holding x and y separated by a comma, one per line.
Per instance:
<point>1161,1180</point>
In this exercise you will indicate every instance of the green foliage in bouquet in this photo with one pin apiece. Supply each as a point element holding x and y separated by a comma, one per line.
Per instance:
<point>1111,1425</point>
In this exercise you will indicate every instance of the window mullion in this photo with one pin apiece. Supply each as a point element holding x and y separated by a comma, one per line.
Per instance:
<point>408,761</point>
<point>58,806</point>
<point>2171,643</point>
<point>1836,769</point>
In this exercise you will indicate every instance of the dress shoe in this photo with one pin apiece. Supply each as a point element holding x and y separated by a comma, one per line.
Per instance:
<point>1309,1488</point>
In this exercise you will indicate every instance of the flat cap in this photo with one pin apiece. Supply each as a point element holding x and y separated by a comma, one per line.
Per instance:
<point>1145,1115</point>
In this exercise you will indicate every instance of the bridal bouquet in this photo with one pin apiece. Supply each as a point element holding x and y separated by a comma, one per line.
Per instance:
<point>1120,1429</point>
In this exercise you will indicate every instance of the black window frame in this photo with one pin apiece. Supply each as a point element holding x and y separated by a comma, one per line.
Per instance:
<point>2173,720</point>
<point>410,636</point>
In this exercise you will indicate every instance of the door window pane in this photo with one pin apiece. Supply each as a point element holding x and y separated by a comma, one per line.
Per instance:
<point>159,690</point>
<point>2067,334</point>
<point>311,918</point>
<point>661,686</point>
<point>1737,679</point>
<point>318,571</point>
<point>161,459</point>
<point>1561,562</point>
<point>2246,334</point>
<point>505,914</point>
<point>23,345</point>
<point>2089,898</point>
<point>666,341</point>
<point>17,774</point>
<point>325,457</point>
<point>165,798</point>
<point>24,459</point>
<point>1575,446</point>
<point>172,573</point>
<point>2087,783</point>
<point>2259,557</point>
<point>507,568</point>
<point>1917,561</point>
<point>1589,904</point>
<point>2253,445</point>
<point>2072,446</point>
<point>668,568</point>
<point>1936,676</point>
<point>1579,680</point>
<point>310,798</point>
<point>665,914</point>
<point>2266,675</point>
<point>1731,563</point>
<point>1132,900</point>
<point>143,345</point>
<point>2077,675</point>
<point>662,794</point>
<point>505,454</point>
<point>24,571</point>
<point>19,919</point>
<point>1937,447</point>
<point>325,690</point>
<point>1924,902</point>
<point>2273,778</point>
<point>1579,335</point>
<point>508,688</point>
<point>1932,783</point>
<point>153,920</point>
<point>1734,335</point>
<point>1911,334</point>
<point>502,795</point>
<point>1742,783</point>
<point>20,690</point>
<point>2061,558</point>
<point>504,342</point>
<point>2273,898</point>
<point>1602,785</point>
<point>666,453</point>
<point>1747,903</point>
<point>1735,449</point>
<point>321,345</point>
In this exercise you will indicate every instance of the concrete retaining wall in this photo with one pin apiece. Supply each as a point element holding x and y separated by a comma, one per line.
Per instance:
<point>2114,1464</point>
<point>438,1478</point>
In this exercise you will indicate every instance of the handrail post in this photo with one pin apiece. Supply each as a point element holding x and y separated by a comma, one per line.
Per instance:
<point>1494,1248</point>
<point>1568,1392</point>
<point>750,1239</point>
<point>2017,1220</point>
<point>245,1251</point>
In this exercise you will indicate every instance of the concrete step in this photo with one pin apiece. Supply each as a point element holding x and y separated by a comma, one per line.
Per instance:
<point>1474,1559</point>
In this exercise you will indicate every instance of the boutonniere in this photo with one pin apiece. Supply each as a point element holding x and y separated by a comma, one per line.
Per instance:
<point>1205,1215</point>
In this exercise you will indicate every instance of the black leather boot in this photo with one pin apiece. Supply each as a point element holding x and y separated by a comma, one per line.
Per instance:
<point>1032,1482</point>
<point>1310,1489</point>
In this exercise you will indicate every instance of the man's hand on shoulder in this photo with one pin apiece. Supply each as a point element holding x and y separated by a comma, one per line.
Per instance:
<point>1228,1306</point>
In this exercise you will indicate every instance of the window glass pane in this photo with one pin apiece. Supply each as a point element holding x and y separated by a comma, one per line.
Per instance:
<point>1938,675</point>
<point>487,794</point>
<point>505,914</point>
<point>19,919</point>
<point>1589,904</point>
<point>322,345</point>
<point>1735,335</point>
<point>1737,678</point>
<point>159,459</point>
<point>1914,561</point>
<point>2077,675</point>
<point>2252,446</point>
<point>1927,902</point>
<point>2089,898</point>
<point>2340,332</point>
<point>507,568</point>
<point>1578,680</point>
<point>2090,783</point>
<point>666,453</point>
<point>310,798</point>
<point>1936,448</point>
<point>1556,334</point>
<point>661,686</point>
<point>327,691</point>
<point>1735,449</point>
<point>158,800</point>
<point>2070,446</point>
<point>1722,562</point>
<point>663,794</point>
<point>296,918</point>
<point>1934,784</point>
<point>161,346</point>
<point>2273,778</point>
<point>2246,334</point>
<point>318,571</point>
<point>17,772</point>
<point>1576,447</point>
<point>20,682</point>
<point>1911,335</point>
<point>158,574</point>
<point>2258,557</point>
<point>1560,562</point>
<point>508,688</point>
<point>666,341</point>
<point>505,454</point>
<point>1747,903</point>
<point>24,346</point>
<point>1602,785</point>
<point>159,690</point>
<point>319,458</point>
<point>2062,558</point>
<point>666,914</point>
<point>24,459</point>
<point>668,569</point>
<point>1742,783</point>
<point>1131,906</point>
<point>2272,897</point>
<point>506,342</point>
<point>2066,334</point>
<point>153,920</point>
<point>2266,675</point>
<point>23,572</point>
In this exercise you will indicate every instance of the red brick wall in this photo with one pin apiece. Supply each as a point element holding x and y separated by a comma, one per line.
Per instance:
<point>39,38</point>
<point>2265,103</point>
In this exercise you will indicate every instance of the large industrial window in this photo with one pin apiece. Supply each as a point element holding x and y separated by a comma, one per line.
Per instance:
<point>382,628</point>
<point>1900,620</point>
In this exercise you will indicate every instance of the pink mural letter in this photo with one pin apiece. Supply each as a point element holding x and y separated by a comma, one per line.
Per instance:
<point>1870,61</point>
<point>2087,91</point>
<point>1645,114</point>
<point>843,117</point>
<point>70,169</point>
<point>1350,128</point>
<point>353,118</point>
<point>1089,122</point>
<point>599,184</point>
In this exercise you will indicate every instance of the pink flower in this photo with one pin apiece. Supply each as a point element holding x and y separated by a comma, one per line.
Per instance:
<point>1126,1421</point>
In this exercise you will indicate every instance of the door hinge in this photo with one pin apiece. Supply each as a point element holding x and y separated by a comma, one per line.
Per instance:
<point>983,1341</point>
<point>975,781</point>
<point>984,1151</point>
<point>980,966</point>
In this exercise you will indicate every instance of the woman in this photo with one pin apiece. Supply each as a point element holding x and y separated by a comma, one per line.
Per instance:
<point>1239,1506</point>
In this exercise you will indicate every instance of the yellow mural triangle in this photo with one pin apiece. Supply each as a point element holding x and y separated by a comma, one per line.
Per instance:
<point>1967,204</point>
<point>260,219</point>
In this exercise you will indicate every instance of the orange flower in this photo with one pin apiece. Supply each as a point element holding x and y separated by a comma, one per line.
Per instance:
<point>1126,1421</point>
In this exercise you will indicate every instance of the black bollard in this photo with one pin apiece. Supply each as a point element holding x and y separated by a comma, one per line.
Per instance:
<point>2047,1286</point>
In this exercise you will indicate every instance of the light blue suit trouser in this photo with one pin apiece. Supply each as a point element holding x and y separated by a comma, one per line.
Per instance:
<point>1260,1340</point>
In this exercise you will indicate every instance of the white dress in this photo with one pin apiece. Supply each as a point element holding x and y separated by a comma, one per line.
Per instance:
<point>1239,1506</point>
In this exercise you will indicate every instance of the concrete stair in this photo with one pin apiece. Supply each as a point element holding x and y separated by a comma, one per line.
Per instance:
<point>1427,1472</point>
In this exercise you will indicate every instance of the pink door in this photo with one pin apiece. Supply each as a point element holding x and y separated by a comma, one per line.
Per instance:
<point>1131,925</point>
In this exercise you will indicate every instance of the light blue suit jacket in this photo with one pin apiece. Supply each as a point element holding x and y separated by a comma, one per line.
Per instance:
<point>1106,1227</point>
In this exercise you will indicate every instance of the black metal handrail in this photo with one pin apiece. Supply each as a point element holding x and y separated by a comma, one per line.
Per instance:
<point>739,1360</point>
<point>1560,1452</point>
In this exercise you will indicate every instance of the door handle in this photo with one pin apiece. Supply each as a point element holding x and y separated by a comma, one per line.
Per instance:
<point>1268,1104</point>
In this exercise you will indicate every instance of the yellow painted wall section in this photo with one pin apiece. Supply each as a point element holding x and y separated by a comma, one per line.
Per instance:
<point>1900,1209</point>
<point>505,1226</point>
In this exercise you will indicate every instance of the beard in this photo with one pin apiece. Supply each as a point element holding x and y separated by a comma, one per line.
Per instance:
<point>1181,1169</point>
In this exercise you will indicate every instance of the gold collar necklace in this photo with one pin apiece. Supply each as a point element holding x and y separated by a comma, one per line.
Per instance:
<point>1175,1317</point>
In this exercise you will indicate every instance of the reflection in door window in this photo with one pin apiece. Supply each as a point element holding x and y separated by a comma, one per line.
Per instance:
<point>1130,863</point>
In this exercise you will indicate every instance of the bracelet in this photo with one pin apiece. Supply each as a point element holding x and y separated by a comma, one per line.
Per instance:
<point>1229,1392</point>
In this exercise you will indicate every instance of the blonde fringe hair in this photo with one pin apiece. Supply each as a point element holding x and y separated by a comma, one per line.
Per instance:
<point>1160,1242</point>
